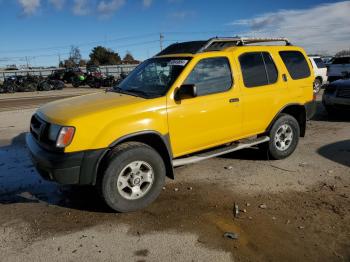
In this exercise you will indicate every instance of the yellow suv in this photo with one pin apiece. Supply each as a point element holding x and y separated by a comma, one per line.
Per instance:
<point>192,101</point>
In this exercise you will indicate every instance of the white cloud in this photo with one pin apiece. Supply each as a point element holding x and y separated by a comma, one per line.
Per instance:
<point>29,6</point>
<point>107,8</point>
<point>147,3</point>
<point>81,7</point>
<point>58,4</point>
<point>323,28</point>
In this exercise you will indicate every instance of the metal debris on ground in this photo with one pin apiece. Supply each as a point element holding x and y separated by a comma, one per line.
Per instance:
<point>236,210</point>
<point>228,167</point>
<point>263,206</point>
<point>231,235</point>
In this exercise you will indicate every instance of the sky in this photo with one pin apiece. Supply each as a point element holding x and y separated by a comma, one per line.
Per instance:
<point>42,31</point>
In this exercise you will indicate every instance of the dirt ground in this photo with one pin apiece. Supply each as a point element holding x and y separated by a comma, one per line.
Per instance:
<point>297,209</point>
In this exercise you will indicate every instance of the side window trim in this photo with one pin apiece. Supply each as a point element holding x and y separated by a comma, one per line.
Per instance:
<point>232,81</point>
<point>267,74</point>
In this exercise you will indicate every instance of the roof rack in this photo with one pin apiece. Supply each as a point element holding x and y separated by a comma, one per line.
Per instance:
<point>216,44</point>
<point>219,43</point>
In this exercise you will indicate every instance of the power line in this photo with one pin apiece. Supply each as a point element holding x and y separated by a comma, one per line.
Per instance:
<point>79,44</point>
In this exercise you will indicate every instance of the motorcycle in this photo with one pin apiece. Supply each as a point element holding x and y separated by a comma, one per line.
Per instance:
<point>50,84</point>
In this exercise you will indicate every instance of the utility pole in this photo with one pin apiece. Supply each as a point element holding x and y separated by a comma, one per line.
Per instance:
<point>59,59</point>
<point>27,62</point>
<point>161,38</point>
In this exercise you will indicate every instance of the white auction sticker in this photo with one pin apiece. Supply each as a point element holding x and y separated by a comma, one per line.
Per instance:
<point>177,62</point>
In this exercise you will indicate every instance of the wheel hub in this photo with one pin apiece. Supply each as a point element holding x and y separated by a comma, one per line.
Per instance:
<point>284,137</point>
<point>135,180</point>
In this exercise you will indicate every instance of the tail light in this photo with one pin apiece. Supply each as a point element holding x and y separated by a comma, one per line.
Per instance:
<point>65,136</point>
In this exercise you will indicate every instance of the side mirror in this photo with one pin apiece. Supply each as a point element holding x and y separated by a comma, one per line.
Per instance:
<point>186,91</point>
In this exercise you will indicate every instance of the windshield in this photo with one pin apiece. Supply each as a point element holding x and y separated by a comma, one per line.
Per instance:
<point>153,78</point>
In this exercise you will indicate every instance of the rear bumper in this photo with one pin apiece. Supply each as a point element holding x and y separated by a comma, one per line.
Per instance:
<point>310,108</point>
<point>78,168</point>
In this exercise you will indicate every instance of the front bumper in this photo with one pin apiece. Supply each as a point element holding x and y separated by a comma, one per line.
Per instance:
<point>78,168</point>
<point>332,100</point>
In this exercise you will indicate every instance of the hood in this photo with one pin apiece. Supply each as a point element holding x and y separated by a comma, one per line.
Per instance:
<point>341,83</point>
<point>65,110</point>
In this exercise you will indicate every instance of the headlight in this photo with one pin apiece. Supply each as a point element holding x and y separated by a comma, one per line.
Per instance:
<point>65,136</point>
<point>53,132</point>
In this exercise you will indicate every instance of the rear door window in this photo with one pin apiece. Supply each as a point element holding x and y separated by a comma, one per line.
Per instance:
<point>296,64</point>
<point>258,69</point>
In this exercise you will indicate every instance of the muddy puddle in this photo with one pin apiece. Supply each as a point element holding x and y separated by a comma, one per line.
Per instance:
<point>313,225</point>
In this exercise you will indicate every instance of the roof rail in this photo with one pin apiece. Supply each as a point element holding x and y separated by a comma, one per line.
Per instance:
<point>219,43</point>
<point>215,44</point>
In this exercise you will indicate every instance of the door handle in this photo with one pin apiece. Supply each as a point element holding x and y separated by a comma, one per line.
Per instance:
<point>234,100</point>
<point>284,77</point>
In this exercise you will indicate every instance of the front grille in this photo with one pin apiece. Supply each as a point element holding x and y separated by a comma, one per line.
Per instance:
<point>343,92</point>
<point>38,127</point>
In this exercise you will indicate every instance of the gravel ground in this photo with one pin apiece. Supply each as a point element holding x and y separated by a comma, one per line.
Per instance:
<point>289,210</point>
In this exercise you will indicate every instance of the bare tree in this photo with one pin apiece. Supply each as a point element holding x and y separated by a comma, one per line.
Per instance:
<point>343,52</point>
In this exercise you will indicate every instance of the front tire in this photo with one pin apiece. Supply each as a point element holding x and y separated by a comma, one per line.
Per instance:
<point>133,178</point>
<point>284,137</point>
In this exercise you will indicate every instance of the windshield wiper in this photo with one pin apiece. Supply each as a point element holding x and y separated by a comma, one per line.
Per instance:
<point>143,93</point>
<point>122,91</point>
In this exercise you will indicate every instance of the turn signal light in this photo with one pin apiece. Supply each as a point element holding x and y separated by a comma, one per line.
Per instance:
<point>65,136</point>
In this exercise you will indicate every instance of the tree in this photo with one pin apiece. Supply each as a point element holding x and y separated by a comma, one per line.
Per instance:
<point>128,57</point>
<point>103,56</point>
<point>74,58</point>
<point>343,52</point>
<point>74,55</point>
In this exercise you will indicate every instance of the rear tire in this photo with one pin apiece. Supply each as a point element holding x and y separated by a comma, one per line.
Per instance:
<point>284,137</point>
<point>317,85</point>
<point>133,178</point>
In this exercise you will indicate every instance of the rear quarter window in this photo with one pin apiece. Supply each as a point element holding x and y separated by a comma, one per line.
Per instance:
<point>296,64</point>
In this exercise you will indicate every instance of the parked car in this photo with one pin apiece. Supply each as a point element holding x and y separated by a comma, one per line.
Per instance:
<point>193,101</point>
<point>320,71</point>
<point>338,67</point>
<point>336,96</point>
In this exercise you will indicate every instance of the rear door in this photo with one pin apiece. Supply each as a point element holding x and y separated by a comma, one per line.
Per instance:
<point>263,89</point>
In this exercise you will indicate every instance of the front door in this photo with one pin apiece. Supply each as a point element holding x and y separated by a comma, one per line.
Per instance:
<point>213,117</point>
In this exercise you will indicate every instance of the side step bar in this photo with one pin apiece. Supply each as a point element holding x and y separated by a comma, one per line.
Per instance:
<point>218,152</point>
